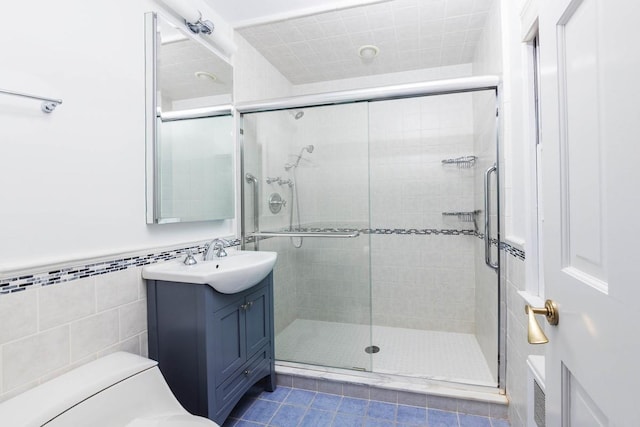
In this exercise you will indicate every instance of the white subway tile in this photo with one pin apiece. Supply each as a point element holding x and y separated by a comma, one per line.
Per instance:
<point>117,288</point>
<point>93,333</point>
<point>30,358</point>
<point>133,319</point>
<point>19,315</point>
<point>131,345</point>
<point>66,302</point>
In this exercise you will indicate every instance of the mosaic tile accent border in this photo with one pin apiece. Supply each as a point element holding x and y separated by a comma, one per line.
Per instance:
<point>513,251</point>
<point>67,274</point>
<point>75,272</point>
<point>421,231</point>
<point>504,246</point>
<point>413,231</point>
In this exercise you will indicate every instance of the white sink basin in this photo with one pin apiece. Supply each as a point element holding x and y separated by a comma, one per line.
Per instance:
<point>238,271</point>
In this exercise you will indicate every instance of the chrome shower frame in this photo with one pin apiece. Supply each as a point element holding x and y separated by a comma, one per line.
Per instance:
<point>440,87</point>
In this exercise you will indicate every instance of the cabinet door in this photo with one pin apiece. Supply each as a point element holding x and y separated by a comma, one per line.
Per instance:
<point>257,317</point>
<point>230,347</point>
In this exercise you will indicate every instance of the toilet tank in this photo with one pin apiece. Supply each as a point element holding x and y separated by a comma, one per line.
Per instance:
<point>115,390</point>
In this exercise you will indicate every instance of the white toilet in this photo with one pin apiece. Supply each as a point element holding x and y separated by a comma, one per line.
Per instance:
<point>121,389</point>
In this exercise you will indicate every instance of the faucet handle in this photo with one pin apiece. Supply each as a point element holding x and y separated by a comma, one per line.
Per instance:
<point>190,259</point>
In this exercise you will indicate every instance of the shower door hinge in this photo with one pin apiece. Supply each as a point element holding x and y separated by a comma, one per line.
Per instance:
<point>241,131</point>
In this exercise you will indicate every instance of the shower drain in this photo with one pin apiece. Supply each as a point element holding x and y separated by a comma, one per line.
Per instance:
<point>372,349</point>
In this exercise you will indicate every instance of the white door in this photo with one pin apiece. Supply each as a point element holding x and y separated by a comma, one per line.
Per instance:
<point>590,105</point>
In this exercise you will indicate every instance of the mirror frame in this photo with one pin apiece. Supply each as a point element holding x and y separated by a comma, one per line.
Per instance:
<point>152,112</point>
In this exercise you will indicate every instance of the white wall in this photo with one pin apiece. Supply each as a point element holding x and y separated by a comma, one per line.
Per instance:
<point>72,183</point>
<point>74,180</point>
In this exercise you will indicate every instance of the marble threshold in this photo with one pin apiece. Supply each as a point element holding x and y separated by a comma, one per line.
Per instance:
<point>395,382</point>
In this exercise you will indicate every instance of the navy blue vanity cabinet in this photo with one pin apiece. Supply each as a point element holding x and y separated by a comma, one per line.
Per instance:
<point>211,347</point>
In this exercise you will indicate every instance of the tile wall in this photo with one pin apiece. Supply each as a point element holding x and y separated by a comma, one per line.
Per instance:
<point>518,349</point>
<point>50,330</point>
<point>410,188</point>
<point>500,51</point>
<point>88,309</point>
<point>432,277</point>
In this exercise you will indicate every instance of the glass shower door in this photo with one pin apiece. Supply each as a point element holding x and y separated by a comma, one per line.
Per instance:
<point>306,173</point>
<point>434,301</point>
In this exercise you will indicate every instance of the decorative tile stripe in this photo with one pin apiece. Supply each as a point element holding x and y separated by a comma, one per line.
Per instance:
<point>67,274</point>
<point>504,246</point>
<point>513,251</point>
<point>420,231</point>
<point>413,231</point>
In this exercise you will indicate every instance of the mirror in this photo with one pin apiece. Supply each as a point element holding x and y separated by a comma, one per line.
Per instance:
<point>189,127</point>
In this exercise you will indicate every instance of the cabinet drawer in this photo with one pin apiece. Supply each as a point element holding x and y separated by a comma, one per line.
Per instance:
<point>229,392</point>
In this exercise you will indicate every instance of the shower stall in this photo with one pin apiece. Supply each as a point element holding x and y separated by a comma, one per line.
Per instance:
<point>383,207</point>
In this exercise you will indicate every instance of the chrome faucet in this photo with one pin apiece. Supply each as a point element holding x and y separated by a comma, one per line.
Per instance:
<point>215,248</point>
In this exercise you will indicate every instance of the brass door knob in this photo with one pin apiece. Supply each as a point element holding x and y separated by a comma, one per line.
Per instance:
<point>535,333</point>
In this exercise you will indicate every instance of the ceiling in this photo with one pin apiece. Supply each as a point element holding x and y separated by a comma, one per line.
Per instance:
<point>242,13</point>
<point>410,35</point>
<point>178,64</point>
<point>180,58</point>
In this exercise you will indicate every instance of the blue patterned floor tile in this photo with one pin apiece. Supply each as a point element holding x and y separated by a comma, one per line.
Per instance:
<point>327,402</point>
<point>473,421</point>
<point>349,405</point>
<point>499,423</point>
<point>381,410</point>
<point>300,397</point>
<point>375,422</point>
<point>436,418</point>
<point>347,420</point>
<point>287,416</point>
<point>411,415</point>
<point>261,411</point>
<point>278,395</point>
<point>317,418</point>
<point>230,422</point>
<point>243,423</point>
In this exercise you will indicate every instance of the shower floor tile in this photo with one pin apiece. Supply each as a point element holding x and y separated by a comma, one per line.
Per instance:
<point>436,355</point>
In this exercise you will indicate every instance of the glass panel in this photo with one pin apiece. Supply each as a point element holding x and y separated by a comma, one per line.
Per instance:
<point>315,160</point>
<point>434,301</point>
<point>195,168</point>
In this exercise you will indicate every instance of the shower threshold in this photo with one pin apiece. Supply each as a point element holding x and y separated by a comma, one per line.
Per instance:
<point>373,380</point>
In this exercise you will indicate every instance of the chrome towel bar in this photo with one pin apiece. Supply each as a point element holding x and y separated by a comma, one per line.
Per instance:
<point>48,104</point>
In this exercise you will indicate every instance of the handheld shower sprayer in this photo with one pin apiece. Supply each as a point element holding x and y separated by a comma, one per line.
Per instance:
<point>308,148</point>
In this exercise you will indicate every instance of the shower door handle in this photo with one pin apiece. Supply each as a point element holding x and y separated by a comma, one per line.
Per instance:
<point>487,217</point>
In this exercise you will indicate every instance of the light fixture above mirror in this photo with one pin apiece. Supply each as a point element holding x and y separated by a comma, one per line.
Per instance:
<point>194,21</point>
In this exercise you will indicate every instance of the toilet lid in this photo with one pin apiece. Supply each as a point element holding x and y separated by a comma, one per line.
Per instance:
<point>179,420</point>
